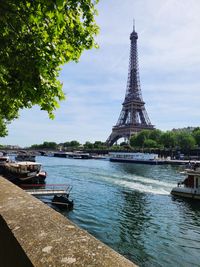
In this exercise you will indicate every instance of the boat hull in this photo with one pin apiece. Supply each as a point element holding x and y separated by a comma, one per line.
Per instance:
<point>17,179</point>
<point>186,193</point>
<point>24,172</point>
<point>150,162</point>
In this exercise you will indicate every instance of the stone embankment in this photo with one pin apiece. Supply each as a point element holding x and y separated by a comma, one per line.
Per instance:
<point>34,235</point>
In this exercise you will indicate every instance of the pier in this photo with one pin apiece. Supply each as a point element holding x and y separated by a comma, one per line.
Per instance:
<point>45,192</point>
<point>48,190</point>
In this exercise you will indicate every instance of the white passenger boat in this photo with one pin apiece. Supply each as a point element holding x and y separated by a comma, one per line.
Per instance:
<point>190,186</point>
<point>138,157</point>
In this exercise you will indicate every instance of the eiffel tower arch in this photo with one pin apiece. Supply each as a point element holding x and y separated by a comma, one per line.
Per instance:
<point>133,117</point>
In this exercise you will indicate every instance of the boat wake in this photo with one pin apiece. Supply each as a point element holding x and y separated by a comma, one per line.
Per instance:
<point>158,186</point>
<point>146,188</point>
<point>139,183</point>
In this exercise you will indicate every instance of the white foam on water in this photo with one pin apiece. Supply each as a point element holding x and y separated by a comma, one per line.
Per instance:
<point>139,183</point>
<point>152,181</point>
<point>144,188</point>
<point>142,184</point>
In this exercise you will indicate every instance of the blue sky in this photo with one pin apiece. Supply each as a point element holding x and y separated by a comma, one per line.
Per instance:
<point>169,63</point>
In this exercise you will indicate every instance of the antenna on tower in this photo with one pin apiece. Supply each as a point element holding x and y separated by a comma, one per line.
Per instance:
<point>134,25</point>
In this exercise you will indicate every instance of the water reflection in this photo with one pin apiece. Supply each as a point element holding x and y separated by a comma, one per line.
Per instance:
<point>189,209</point>
<point>134,221</point>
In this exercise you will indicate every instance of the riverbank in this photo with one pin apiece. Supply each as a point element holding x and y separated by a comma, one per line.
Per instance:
<point>32,234</point>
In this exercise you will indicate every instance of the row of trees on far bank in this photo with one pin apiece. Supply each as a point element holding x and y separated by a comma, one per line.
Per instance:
<point>70,145</point>
<point>175,139</point>
<point>146,139</point>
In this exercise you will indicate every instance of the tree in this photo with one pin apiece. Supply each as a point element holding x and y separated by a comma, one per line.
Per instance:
<point>66,144</point>
<point>185,141</point>
<point>74,144</point>
<point>88,145</point>
<point>45,145</point>
<point>138,139</point>
<point>168,139</point>
<point>155,135</point>
<point>36,38</point>
<point>149,143</point>
<point>196,135</point>
<point>99,145</point>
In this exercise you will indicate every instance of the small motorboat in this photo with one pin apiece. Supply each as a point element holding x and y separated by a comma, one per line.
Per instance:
<point>190,186</point>
<point>63,202</point>
<point>42,175</point>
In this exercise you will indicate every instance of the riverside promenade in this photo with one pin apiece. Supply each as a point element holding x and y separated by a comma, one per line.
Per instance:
<point>34,235</point>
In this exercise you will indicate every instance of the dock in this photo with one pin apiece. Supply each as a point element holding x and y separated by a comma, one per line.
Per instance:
<point>59,192</point>
<point>180,162</point>
<point>47,190</point>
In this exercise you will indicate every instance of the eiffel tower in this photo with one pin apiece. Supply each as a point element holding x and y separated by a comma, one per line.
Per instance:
<point>133,117</point>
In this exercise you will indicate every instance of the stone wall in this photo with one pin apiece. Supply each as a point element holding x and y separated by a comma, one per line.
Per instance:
<point>33,234</point>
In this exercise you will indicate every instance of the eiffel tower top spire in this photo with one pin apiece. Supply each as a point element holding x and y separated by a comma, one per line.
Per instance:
<point>133,117</point>
<point>133,25</point>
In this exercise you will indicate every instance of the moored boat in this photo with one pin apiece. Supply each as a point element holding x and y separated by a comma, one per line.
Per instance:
<point>63,202</point>
<point>3,161</point>
<point>190,186</point>
<point>25,171</point>
<point>138,157</point>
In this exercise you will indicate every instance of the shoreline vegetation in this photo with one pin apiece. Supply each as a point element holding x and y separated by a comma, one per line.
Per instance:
<point>176,143</point>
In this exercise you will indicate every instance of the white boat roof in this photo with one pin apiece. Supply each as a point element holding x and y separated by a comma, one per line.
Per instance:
<point>23,163</point>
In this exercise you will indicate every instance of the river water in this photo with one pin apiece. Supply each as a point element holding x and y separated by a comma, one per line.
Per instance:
<point>129,208</point>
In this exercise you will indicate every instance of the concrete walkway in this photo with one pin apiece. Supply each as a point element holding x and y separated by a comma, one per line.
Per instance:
<point>39,236</point>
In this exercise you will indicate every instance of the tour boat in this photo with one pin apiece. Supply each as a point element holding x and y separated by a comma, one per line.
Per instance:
<point>138,157</point>
<point>190,186</point>
<point>24,171</point>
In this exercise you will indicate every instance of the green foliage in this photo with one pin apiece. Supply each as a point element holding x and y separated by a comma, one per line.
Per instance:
<point>88,145</point>
<point>171,139</point>
<point>66,144</point>
<point>116,148</point>
<point>36,38</point>
<point>185,140</point>
<point>74,144</point>
<point>138,139</point>
<point>45,145</point>
<point>196,135</point>
<point>123,144</point>
<point>99,145</point>
<point>149,143</point>
<point>71,144</point>
<point>155,135</point>
<point>168,139</point>
<point>196,129</point>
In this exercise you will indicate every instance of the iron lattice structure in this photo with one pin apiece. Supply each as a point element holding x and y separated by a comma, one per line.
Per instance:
<point>133,117</point>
